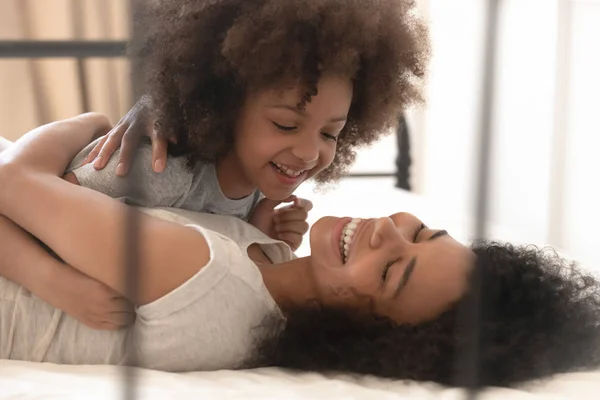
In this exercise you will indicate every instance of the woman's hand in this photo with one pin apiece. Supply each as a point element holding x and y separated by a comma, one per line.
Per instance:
<point>127,134</point>
<point>90,302</point>
<point>287,223</point>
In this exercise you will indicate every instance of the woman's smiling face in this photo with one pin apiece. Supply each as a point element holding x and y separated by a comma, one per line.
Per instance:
<point>397,265</point>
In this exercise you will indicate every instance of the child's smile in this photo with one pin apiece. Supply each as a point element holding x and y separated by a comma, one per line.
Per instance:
<point>278,145</point>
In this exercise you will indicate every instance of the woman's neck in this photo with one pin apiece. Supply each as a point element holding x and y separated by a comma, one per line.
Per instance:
<point>290,283</point>
<point>232,179</point>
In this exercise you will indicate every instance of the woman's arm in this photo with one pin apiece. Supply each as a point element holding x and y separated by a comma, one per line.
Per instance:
<point>25,262</point>
<point>50,148</point>
<point>85,228</point>
<point>18,250</point>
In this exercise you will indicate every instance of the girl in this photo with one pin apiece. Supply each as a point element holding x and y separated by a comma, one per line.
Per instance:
<point>259,96</point>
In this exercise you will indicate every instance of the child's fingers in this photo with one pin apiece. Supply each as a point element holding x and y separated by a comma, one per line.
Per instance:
<point>267,205</point>
<point>297,202</point>
<point>159,152</point>
<point>300,227</point>
<point>95,151</point>
<point>159,156</point>
<point>292,239</point>
<point>112,143</point>
<point>303,203</point>
<point>290,198</point>
<point>290,214</point>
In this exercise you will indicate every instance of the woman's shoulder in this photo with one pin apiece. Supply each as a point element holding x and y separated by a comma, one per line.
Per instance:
<point>224,255</point>
<point>210,322</point>
<point>222,304</point>
<point>240,232</point>
<point>228,239</point>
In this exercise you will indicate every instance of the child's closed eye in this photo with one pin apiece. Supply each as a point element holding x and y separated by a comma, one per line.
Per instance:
<point>283,127</point>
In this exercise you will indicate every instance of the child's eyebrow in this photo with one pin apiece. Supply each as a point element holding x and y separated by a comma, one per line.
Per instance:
<point>287,107</point>
<point>302,113</point>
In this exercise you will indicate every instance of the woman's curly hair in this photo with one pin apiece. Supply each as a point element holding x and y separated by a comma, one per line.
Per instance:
<point>541,316</point>
<point>197,61</point>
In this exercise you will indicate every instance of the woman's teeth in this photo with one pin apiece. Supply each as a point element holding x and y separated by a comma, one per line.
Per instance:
<point>288,171</point>
<point>346,237</point>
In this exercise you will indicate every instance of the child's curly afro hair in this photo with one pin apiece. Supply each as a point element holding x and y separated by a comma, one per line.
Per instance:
<point>198,59</point>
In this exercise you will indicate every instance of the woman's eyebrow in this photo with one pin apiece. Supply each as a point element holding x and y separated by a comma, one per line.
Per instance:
<point>412,264</point>
<point>405,276</point>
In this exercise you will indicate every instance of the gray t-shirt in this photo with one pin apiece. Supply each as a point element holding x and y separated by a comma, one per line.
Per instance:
<point>212,321</point>
<point>177,186</point>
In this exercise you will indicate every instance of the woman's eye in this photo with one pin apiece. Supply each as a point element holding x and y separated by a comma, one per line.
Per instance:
<point>284,128</point>
<point>417,231</point>
<point>385,270</point>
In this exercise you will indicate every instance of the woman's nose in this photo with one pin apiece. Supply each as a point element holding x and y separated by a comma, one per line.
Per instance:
<point>384,229</point>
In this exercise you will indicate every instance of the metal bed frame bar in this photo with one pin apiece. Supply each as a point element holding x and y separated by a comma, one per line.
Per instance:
<point>90,49</point>
<point>62,49</point>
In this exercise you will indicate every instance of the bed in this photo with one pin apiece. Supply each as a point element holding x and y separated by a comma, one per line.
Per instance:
<point>22,380</point>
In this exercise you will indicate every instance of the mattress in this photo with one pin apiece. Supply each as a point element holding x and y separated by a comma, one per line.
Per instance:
<point>32,381</point>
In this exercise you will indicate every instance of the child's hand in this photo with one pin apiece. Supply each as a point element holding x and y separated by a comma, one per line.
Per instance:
<point>287,224</point>
<point>127,134</point>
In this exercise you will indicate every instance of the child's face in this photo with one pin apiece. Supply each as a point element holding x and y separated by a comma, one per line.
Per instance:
<point>277,146</point>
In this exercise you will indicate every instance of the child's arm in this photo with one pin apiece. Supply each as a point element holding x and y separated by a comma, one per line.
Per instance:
<point>85,228</point>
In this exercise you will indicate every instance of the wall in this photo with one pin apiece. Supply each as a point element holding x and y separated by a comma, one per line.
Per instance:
<point>544,187</point>
<point>582,184</point>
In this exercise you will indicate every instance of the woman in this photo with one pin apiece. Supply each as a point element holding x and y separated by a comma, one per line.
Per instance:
<point>377,296</point>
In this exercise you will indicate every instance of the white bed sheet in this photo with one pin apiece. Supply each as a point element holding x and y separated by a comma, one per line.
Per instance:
<point>364,198</point>
<point>30,381</point>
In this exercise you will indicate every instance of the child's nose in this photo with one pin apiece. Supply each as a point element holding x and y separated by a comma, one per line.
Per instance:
<point>306,148</point>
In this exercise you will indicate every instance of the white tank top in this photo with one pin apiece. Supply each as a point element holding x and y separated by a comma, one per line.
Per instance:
<point>210,322</point>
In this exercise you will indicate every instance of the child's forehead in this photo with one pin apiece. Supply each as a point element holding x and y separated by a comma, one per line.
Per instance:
<point>284,90</point>
<point>290,89</point>
<point>282,93</point>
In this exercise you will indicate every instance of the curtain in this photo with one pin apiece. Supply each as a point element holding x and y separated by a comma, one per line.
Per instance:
<point>37,91</point>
